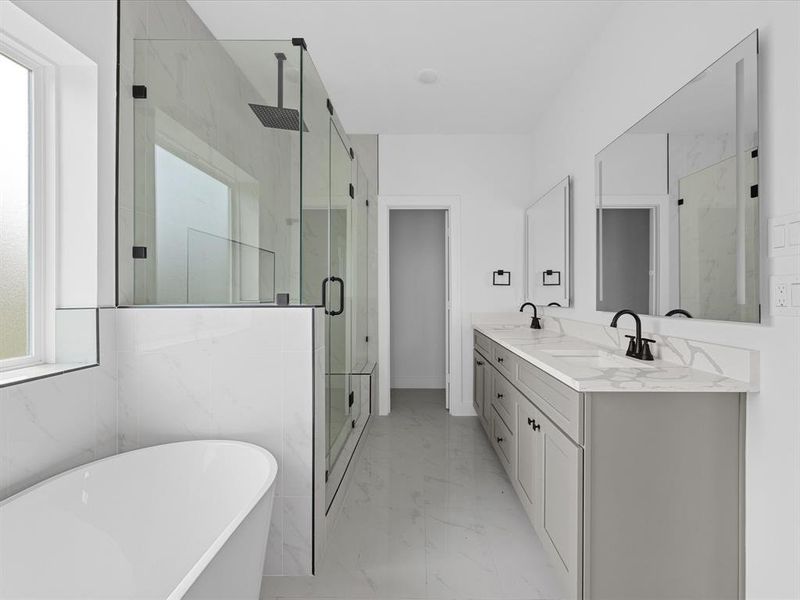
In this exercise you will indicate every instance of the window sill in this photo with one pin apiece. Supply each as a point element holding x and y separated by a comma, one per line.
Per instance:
<point>26,374</point>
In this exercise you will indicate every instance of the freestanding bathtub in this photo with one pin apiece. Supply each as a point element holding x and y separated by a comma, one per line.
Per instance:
<point>182,520</point>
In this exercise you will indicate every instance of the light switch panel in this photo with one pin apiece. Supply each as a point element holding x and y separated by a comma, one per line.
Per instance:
<point>784,235</point>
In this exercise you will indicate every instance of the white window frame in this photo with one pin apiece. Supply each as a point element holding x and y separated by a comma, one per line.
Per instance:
<point>42,303</point>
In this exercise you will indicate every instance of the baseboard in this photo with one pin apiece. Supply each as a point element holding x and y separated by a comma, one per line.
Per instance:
<point>420,382</point>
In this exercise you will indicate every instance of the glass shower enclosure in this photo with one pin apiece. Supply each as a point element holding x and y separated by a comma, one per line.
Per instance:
<point>246,187</point>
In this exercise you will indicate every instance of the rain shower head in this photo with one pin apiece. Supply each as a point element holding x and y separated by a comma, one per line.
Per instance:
<point>278,117</point>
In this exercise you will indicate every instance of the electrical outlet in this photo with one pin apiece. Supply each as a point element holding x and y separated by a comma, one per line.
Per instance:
<point>784,292</point>
<point>781,296</point>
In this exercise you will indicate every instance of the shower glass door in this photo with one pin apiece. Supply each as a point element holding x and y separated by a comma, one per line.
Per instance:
<point>339,298</point>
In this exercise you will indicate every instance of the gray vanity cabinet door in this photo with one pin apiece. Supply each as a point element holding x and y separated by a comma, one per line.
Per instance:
<point>478,385</point>
<point>488,390</point>
<point>562,505</point>
<point>530,454</point>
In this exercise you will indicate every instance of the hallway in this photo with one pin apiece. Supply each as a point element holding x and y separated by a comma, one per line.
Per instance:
<point>429,513</point>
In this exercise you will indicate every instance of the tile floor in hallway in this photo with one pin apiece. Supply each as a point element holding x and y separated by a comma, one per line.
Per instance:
<point>429,513</point>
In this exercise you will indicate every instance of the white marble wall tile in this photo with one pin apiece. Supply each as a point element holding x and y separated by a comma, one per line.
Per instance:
<point>49,426</point>
<point>319,327</point>
<point>297,330</point>
<point>56,423</point>
<point>297,535</point>
<point>298,412</point>
<point>319,458</point>
<point>188,373</point>
<point>105,382</point>
<point>273,561</point>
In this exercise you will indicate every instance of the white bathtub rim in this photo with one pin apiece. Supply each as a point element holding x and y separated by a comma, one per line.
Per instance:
<point>191,576</point>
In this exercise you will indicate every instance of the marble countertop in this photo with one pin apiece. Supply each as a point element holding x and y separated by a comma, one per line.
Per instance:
<point>589,367</point>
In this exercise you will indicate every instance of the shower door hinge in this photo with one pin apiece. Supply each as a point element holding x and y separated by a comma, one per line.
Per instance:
<point>754,153</point>
<point>680,201</point>
<point>353,423</point>
<point>367,202</point>
<point>326,475</point>
<point>754,191</point>
<point>299,42</point>
<point>139,91</point>
<point>140,252</point>
<point>351,399</point>
<point>329,104</point>
<point>366,339</point>
<point>352,191</point>
<point>352,154</point>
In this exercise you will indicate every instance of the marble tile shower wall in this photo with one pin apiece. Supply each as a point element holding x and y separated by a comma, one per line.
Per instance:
<point>54,424</point>
<point>206,93</point>
<point>238,373</point>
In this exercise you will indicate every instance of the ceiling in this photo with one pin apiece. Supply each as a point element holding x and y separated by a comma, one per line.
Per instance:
<point>499,63</point>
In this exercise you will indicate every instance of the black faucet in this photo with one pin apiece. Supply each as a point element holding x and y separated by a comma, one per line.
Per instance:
<point>678,311</point>
<point>638,347</point>
<point>535,324</point>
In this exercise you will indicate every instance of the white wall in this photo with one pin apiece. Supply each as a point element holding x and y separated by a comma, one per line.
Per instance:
<point>53,424</point>
<point>492,176</point>
<point>418,280</point>
<point>91,27</point>
<point>633,67</point>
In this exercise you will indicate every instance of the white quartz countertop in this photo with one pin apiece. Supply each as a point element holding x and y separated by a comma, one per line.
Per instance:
<point>588,367</point>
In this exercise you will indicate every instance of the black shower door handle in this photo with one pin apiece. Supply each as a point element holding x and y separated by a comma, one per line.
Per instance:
<point>340,281</point>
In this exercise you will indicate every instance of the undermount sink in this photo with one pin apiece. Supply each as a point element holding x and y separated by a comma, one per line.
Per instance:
<point>596,358</point>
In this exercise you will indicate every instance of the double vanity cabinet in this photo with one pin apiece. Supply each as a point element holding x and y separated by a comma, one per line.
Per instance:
<point>630,474</point>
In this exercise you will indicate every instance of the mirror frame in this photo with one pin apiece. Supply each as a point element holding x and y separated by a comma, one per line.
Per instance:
<point>564,184</point>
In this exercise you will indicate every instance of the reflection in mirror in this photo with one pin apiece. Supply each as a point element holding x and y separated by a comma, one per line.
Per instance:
<point>677,200</point>
<point>547,248</point>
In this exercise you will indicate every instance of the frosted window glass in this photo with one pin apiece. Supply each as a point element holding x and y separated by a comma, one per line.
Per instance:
<point>15,214</point>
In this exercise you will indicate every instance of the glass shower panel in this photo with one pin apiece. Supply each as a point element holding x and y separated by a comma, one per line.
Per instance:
<point>216,171</point>
<point>359,259</point>
<point>339,296</point>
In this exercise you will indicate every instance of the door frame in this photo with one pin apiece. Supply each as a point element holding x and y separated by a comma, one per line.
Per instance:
<point>452,207</point>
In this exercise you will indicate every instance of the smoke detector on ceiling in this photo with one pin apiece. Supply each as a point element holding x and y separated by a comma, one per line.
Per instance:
<point>427,76</point>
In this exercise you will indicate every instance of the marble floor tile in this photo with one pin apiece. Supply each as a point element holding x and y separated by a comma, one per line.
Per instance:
<point>429,514</point>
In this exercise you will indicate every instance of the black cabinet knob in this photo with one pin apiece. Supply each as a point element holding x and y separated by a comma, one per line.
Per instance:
<point>536,426</point>
<point>499,359</point>
<point>499,440</point>
<point>499,396</point>
<point>531,421</point>
<point>480,363</point>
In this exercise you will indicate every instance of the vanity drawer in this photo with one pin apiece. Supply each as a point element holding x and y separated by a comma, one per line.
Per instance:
<point>503,443</point>
<point>505,398</point>
<point>562,404</point>
<point>505,362</point>
<point>484,345</point>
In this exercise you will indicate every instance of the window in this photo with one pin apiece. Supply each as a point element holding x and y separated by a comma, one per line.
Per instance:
<point>19,321</point>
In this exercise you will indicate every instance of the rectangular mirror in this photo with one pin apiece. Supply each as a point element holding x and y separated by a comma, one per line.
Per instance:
<point>677,204</point>
<point>547,248</point>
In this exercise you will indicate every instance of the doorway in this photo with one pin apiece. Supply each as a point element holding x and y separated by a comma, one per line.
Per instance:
<point>418,303</point>
<point>627,274</point>
<point>419,320</point>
